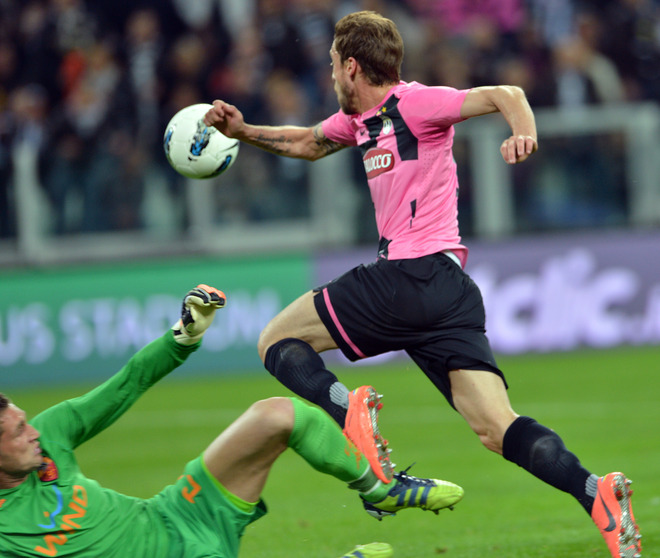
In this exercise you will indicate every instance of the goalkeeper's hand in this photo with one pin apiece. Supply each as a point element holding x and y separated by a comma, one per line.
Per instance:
<point>197,313</point>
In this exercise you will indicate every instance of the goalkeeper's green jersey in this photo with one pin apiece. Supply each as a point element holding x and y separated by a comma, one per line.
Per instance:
<point>58,511</point>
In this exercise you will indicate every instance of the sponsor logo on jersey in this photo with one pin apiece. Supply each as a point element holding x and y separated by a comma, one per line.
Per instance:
<point>48,471</point>
<point>377,161</point>
<point>58,508</point>
<point>74,512</point>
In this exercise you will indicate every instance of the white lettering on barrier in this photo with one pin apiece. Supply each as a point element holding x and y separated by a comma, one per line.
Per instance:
<point>117,327</point>
<point>114,327</point>
<point>78,333</point>
<point>568,303</point>
<point>647,328</point>
<point>26,335</point>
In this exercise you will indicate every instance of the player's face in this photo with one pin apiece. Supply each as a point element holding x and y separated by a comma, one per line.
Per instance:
<point>20,452</point>
<point>342,84</point>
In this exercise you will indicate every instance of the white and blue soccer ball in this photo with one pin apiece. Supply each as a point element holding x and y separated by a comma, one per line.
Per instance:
<point>195,150</point>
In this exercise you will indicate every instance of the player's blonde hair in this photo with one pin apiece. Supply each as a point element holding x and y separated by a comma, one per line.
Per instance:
<point>375,43</point>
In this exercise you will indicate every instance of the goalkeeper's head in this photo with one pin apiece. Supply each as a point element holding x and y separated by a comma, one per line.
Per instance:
<point>20,451</point>
<point>4,403</point>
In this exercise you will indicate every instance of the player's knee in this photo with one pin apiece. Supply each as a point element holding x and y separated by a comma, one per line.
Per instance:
<point>491,436</point>
<point>491,430</point>
<point>262,347</point>
<point>265,341</point>
<point>493,443</point>
<point>275,414</point>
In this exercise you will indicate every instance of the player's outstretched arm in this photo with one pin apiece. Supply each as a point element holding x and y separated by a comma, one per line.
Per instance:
<point>512,103</point>
<point>289,141</point>
<point>197,313</point>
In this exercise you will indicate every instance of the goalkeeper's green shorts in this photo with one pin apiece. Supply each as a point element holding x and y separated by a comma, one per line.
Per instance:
<point>203,518</point>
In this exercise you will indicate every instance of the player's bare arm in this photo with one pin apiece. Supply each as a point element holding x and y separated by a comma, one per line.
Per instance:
<point>512,103</point>
<point>289,141</point>
<point>324,145</point>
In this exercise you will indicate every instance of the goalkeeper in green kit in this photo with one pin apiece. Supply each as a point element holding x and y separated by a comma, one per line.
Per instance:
<point>49,508</point>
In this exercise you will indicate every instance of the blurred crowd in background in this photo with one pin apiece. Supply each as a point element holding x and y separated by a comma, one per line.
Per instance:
<point>90,85</point>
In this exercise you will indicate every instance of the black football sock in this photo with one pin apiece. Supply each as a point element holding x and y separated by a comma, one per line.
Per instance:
<point>296,365</point>
<point>542,452</point>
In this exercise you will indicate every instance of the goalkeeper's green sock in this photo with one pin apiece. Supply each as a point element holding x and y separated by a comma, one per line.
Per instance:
<point>320,442</point>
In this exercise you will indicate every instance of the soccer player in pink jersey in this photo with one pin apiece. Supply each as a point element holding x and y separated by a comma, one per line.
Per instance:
<point>416,296</point>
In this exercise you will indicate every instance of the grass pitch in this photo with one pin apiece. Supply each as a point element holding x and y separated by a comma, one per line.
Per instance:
<point>604,404</point>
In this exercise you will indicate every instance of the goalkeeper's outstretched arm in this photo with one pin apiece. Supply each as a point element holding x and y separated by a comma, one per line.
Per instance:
<point>75,421</point>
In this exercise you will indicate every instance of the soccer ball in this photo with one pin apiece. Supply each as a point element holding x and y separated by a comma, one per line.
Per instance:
<point>195,150</point>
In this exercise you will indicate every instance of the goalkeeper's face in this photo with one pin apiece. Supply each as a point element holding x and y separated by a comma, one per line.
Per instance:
<point>20,452</point>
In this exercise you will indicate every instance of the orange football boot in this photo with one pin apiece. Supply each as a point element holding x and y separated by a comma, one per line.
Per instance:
<point>612,513</point>
<point>361,428</point>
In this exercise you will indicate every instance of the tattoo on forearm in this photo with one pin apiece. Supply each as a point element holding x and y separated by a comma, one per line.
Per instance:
<point>323,143</point>
<point>273,144</point>
<point>289,144</point>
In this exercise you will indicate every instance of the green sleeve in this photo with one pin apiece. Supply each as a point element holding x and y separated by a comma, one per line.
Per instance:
<point>75,421</point>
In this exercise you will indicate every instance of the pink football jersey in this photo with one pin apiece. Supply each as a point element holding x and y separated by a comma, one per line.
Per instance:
<point>406,144</point>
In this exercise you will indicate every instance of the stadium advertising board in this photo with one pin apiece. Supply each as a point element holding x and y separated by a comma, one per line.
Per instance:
<point>84,323</point>
<point>542,294</point>
<point>557,293</point>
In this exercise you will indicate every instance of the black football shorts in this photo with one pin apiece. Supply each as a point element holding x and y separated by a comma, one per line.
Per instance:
<point>427,306</point>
